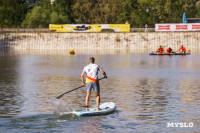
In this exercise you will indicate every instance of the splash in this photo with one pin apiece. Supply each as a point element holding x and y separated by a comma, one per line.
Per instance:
<point>60,106</point>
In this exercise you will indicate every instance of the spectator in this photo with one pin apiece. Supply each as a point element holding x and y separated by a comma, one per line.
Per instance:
<point>146,28</point>
<point>127,22</point>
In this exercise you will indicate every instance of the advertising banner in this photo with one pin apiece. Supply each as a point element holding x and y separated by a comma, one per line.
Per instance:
<point>90,27</point>
<point>178,27</point>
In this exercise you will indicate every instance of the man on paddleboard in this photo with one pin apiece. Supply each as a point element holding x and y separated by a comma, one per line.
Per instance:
<point>92,82</point>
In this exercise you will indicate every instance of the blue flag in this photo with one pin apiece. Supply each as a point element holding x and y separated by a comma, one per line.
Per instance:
<point>184,18</point>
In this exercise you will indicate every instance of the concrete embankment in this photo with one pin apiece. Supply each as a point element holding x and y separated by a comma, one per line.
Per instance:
<point>149,41</point>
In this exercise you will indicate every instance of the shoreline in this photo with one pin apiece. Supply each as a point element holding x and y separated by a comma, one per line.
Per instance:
<point>65,52</point>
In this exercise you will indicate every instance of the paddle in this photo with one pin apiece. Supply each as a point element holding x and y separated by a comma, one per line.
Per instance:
<point>58,97</point>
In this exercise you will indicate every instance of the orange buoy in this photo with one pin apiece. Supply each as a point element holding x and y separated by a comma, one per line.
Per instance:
<point>188,50</point>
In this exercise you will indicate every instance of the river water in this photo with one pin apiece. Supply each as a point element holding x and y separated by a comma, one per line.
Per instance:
<point>150,92</point>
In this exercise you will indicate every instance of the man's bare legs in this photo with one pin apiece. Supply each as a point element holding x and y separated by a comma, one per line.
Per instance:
<point>87,98</point>
<point>98,99</point>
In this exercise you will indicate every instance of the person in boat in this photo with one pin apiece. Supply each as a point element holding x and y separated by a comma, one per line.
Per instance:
<point>182,50</point>
<point>169,50</point>
<point>160,50</point>
<point>92,83</point>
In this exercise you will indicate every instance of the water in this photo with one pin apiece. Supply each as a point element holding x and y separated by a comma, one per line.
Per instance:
<point>60,107</point>
<point>149,91</point>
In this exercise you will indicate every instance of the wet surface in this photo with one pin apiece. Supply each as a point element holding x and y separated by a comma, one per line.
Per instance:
<point>149,91</point>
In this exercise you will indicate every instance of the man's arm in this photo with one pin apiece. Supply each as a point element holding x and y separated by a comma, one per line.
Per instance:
<point>179,49</point>
<point>157,50</point>
<point>104,73</point>
<point>82,78</point>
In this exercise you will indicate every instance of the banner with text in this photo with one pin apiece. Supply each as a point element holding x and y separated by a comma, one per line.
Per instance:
<point>178,27</point>
<point>90,27</point>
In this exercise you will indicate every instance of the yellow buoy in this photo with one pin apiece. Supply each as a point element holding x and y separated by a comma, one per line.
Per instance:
<point>71,51</point>
<point>188,50</point>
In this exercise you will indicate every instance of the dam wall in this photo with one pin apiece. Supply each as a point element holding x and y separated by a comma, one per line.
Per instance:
<point>137,40</point>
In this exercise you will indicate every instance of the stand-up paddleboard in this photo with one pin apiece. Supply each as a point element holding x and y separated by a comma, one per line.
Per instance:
<point>169,54</point>
<point>105,108</point>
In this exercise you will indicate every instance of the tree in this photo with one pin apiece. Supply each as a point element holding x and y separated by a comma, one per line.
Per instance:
<point>143,14</point>
<point>172,11</point>
<point>127,8</point>
<point>167,11</point>
<point>189,7</point>
<point>12,13</point>
<point>198,10</point>
<point>62,8</point>
<point>32,3</point>
<point>41,13</point>
<point>38,17</point>
<point>82,11</point>
<point>101,11</point>
<point>45,14</point>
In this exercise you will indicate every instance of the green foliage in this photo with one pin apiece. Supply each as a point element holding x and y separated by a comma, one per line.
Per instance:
<point>12,13</point>
<point>102,11</point>
<point>166,11</point>
<point>57,18</point>
<point>41,13</point>
<point>31,3</point>
<point>38,17</point>
<point>45,14</point>
<point>198,10</point>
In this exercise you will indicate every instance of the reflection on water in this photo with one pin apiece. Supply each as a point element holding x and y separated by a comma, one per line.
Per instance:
<point>10,94</point>
<point>149,91</point>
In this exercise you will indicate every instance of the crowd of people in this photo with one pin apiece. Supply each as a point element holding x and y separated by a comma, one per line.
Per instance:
<point>169,50</point>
